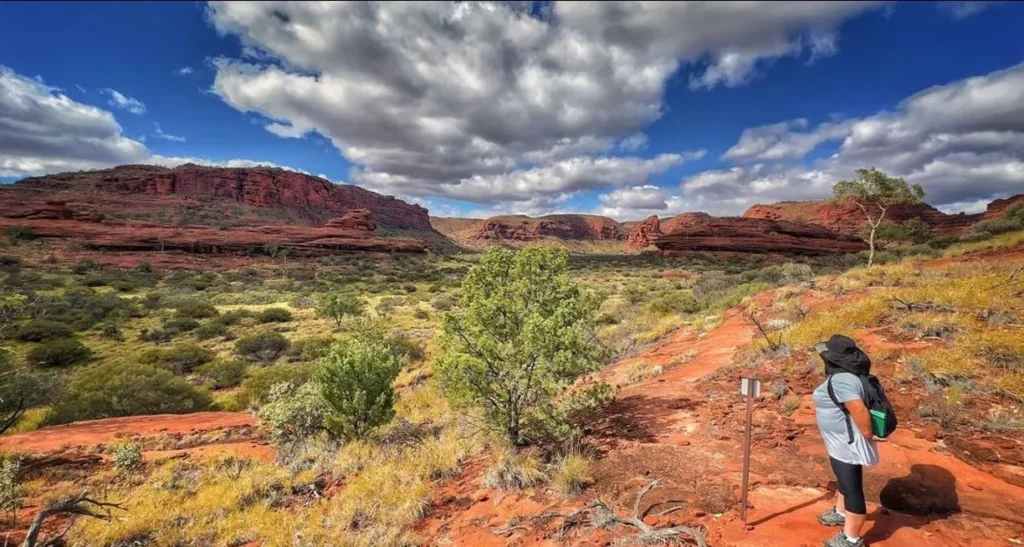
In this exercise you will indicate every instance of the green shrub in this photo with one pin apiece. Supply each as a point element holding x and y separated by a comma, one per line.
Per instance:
<point>354,379</point>
<point>127,457</point>
<point>126,389</point>
<point>525,328</point>
<point>222,373</point>
<point>210,329</point>
<point>17,233</point>
<point>996,226</point>
<point>111,331</point>
<point>310,349</point>
<point>196,309</point>
<point>83,266</point>
<point>259,380</point>
<point>181,359</point>
<point>293,414</point>
<point>274,315</point>
<point>264,347</point>
<point>387,305</point>
<point>41,330</point>
<point>10,264</point>
<point>59,353</point>
<point>179,324</point>
<point>231,318</point>
<point>337,306</point>
<point>1015,213</point>
<point>156,335</point>
<point>12,494</point>
<point>444,302</point>
<point>674,302</point>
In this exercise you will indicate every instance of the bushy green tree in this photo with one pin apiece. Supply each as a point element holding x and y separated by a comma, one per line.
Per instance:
<point>292,413</point>
<point>263,347</point>
<point>126,389</point>
<point>355,380</point>
<point>875,192</point>
<point>260,380</point>
<point>522,336</point>
<point>275,315</point>
<point>59,353</point>
<point>20,389</point>
<point>181,359</point>
<point>222,372</point>
<point>41,330</point>
<point>337,306</point>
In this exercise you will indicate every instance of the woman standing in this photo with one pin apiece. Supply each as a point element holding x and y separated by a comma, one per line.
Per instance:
<point>845,426</point>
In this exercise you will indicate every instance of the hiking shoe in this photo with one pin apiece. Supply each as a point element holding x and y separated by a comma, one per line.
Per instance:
<point>840,540</point>
<point>831,518</point>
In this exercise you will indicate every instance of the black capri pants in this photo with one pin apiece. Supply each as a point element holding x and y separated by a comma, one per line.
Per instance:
<point>851,485</point>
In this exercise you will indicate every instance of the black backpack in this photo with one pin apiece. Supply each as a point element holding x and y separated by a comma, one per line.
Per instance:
<point>883,415</point>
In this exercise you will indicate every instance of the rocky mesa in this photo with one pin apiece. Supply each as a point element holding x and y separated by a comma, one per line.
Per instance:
<point>750,235</point>
<point>251,195</point>
<point>518,229</point>
<point>847,218</point>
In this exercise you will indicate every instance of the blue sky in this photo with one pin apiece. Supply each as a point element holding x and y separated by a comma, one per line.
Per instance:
<point>621,110</point>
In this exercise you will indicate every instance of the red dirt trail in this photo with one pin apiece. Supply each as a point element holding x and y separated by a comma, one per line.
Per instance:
<point>97,432</point>
<point>680,427</point>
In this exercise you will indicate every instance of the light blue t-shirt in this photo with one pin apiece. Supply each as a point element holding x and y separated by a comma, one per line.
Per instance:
<point>832,421</point>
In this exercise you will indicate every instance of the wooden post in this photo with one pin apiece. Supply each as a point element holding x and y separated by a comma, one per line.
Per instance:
<point>746,450</point>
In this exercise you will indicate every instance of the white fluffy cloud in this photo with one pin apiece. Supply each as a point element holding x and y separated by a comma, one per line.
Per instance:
<point>963,142</point>
<point>184,71</point>
<point>44,131</point>
<point>119,100</point>
<point>159,133</point>
<point>469,100</point>
<point>782,141</point>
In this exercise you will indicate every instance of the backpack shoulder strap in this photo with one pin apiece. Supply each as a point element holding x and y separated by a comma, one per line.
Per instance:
<point>842,407</point>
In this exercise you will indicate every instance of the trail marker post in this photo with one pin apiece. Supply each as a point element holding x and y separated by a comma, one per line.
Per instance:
<point>749,387</point>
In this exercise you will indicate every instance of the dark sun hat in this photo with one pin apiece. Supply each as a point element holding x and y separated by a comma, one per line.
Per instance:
<point>842,352</point>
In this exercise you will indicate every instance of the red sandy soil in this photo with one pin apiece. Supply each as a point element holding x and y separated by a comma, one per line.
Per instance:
<point>684,427</point>
<point>97,432</point>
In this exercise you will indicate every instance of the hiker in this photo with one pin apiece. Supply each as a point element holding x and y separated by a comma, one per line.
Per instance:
<point>845,426</point>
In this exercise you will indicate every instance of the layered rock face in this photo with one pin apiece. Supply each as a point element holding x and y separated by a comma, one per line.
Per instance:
<point>847,218</point>
<point>132,189</point>
<point>346,234</point>
<point>209,210</point>
<point>520,228</point>
<point>999,206</point>
<point>644,234</point>
<point>755,235</point>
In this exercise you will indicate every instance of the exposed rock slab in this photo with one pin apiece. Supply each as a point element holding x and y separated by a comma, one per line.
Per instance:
<point>755,235</point>
<point>847,218</point>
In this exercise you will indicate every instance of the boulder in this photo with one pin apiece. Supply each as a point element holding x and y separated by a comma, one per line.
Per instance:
<point>644,234</point>
<point>356,219</point>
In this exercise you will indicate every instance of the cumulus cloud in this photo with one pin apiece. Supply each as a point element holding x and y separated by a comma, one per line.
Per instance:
<point>445,98</point>
<point>184,71</point>
<point>119,100</point>
<point>963,10</point>
<point>963,142</point>
<point>782,141</point>
<point>42,130</point>
<point>159,133</point>
<point>634,142</point>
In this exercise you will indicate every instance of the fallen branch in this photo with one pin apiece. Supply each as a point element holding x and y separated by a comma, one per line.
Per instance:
<point>80,504</point>
<point>603,516</point>
<point>1010,280</point>
<point>775,346</point>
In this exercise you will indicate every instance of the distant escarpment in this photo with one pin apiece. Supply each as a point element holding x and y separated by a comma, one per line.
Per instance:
<point>691,232</point>
<point>190,208</point>
<point>514,230</point>
<point>208,195</point>
<point>847,218</point>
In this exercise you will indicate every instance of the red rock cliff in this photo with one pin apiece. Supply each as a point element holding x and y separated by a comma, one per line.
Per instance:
<point>130,187</point>
<point>699,232</point>
<point>847,218</point>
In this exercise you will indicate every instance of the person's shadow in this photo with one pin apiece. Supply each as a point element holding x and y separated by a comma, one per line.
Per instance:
<point>928,493</point>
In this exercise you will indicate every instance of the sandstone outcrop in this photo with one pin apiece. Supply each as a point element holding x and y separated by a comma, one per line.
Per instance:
<point>999,206</point>
<point>755,235</point>
<point>644,234</point>
<point>520,228</point>
<point>301,240</point>
<point>356,219</point>
<point>137,190</point>
<point>847,218</point>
